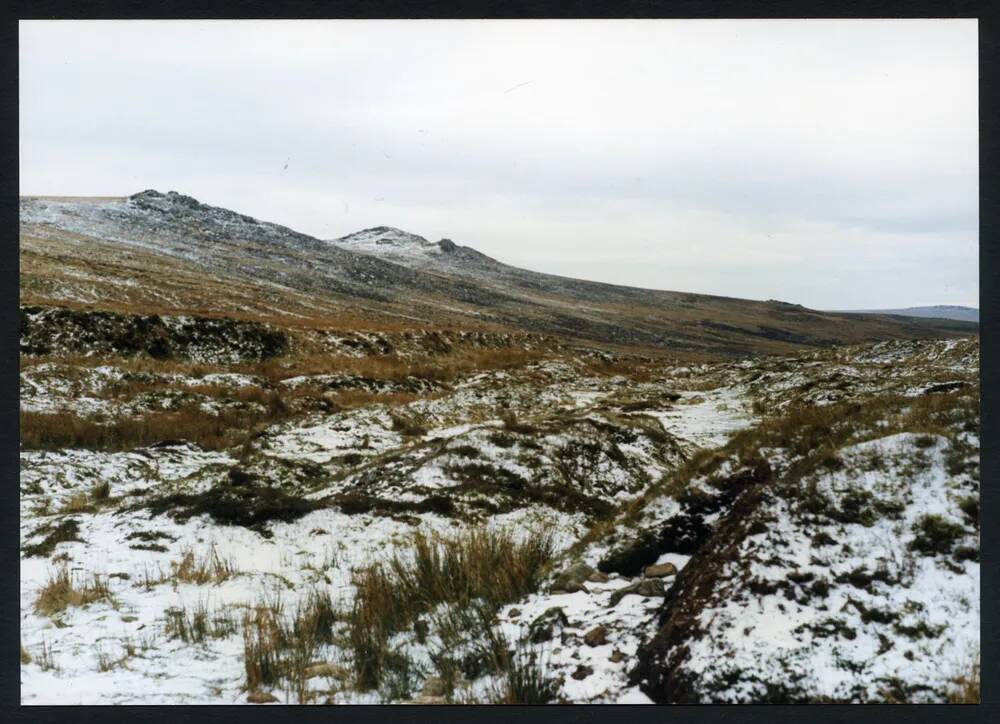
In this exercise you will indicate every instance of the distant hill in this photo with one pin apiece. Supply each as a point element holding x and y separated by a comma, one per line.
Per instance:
<point>940,311</point>
<point>157,253</point>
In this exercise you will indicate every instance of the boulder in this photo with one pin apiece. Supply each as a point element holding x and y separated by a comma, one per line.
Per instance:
<point>661,570</point>
<point>582,672</point>
<point>597,636</point>
<point>616,656</point>
<point>598,577</point>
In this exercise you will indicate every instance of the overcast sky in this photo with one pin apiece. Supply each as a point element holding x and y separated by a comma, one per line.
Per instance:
<point>828,163</point>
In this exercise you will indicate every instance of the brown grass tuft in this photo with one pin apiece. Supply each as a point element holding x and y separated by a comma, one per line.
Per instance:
<point>478,565</point>
<point>209,568</point>
<point>967,685</point>
<point>63,590</point>
<point>198,624</point>
<point>229,427</point>
<point>278,650</point>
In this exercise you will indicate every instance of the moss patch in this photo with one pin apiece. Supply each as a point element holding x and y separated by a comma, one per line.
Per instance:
<point>66,531</point>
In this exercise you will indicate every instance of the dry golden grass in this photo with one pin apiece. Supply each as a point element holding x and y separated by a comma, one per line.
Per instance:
<point>278,649</point>
<point>79,503</point>
<point>63,590</point>
<point>199,623</point>
<point>227,428</point>
<point>439,367</point>
<point>207,568</point>
<point>230,426</point>
<point>639,370</point>
<point>242,411</point>
<point>87,502</point>
<point>442,368</point>
<point>134,281</point>
<point>967,685</point>
<point>138,363</point>
<point>477,565</point>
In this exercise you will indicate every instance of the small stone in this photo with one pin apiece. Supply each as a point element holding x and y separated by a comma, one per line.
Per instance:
<point>616,656</point>
<point>571,580</point>
<point>582,672</point>
<point>647,587</point>
<point>434,686</point>
<point>544,627</point>
<point>330,669</point>
<point>598,577</point>
<point>261,697</point>
<point>652,587</point>
<point>514,612</point>
<point>661,570</point>
<point>597,636</point>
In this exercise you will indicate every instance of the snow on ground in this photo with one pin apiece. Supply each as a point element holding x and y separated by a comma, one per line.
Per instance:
<point>531,426</point>
<point>706,419</point>
<point>866,589</point>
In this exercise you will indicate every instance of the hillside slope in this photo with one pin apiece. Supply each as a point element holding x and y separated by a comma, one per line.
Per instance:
<point>938,311</point>
<point>168,253</point>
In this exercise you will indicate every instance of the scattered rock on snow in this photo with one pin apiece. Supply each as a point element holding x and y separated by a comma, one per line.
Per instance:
<point>544,627</point>
<point>646,587</point>
<point>661,570</point>
<point>597,636</point>
<point>572,579</point>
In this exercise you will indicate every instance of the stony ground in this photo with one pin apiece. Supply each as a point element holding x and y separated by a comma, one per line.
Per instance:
<point>775,529</point>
